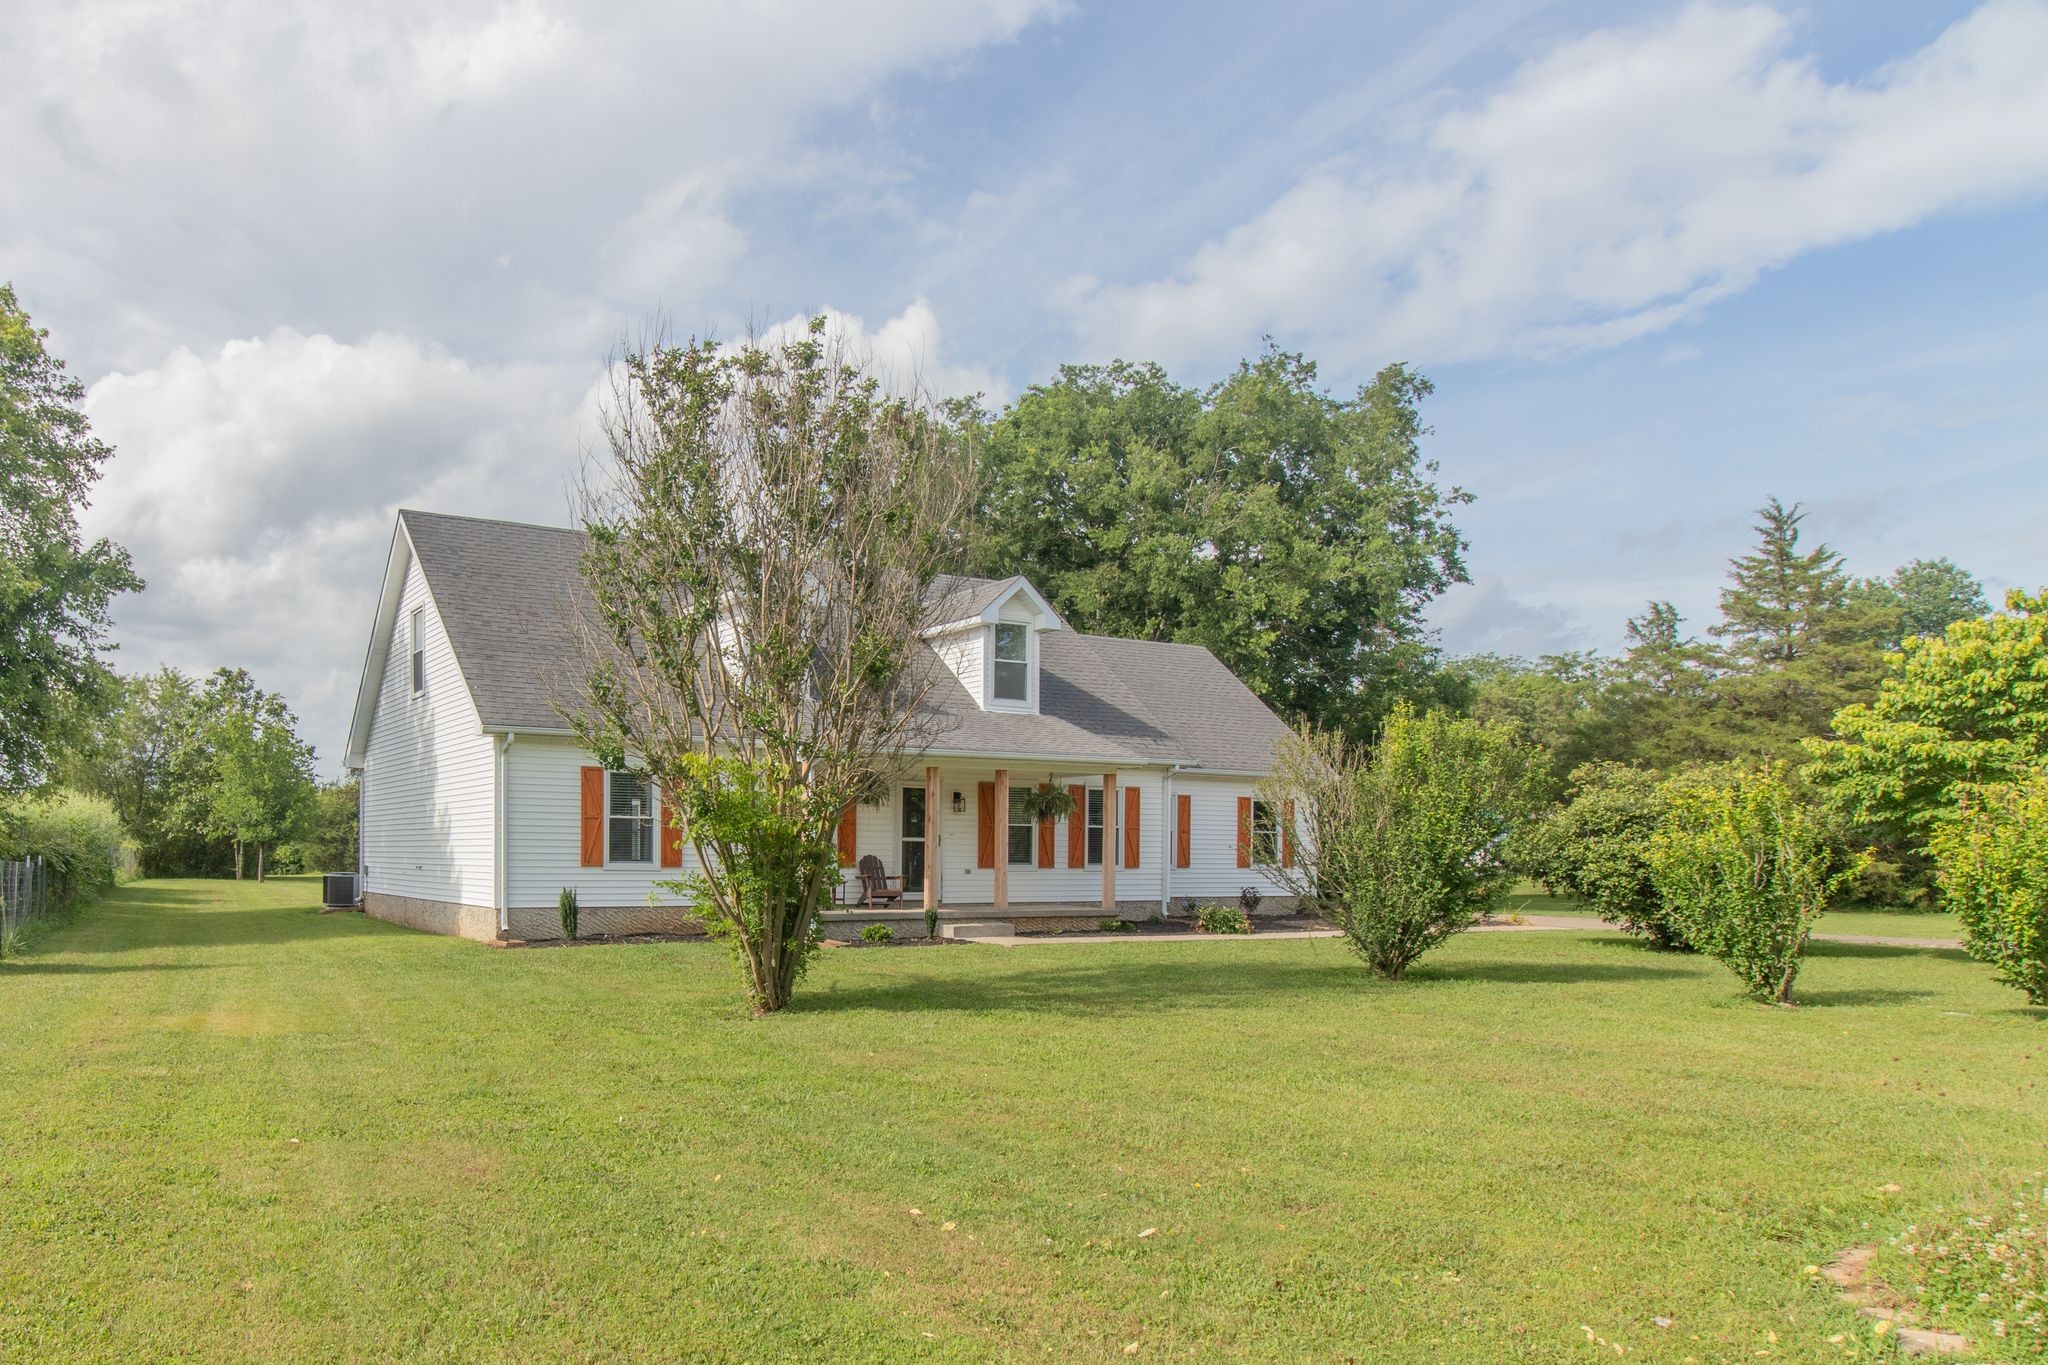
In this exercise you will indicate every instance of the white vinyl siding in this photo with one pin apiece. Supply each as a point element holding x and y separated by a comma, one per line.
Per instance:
<point>1212,868</point>
<point>961,652</point>
<point>427,769</point>
<point>544,839</point>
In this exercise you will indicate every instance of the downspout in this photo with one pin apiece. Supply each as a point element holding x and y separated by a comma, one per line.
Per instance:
<point>1166,833</point>
<point>498,891</point>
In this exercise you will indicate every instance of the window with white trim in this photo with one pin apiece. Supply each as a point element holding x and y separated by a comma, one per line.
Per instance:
<point>1265,833</point>
<point>1023,829</point>
<point>1094,826</point>
<point>419,649</point>
<point>1012,662</point>
<point>629,818</point>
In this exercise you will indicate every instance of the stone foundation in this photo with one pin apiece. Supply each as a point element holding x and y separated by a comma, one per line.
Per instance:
<point>538,924</point>
<point>478,922</point>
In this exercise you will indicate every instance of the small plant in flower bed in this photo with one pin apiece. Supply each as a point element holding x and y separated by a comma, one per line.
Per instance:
<point>1108,925</point>
<point>1984,1275</point>
<point>877,933</point>
<point>1222,919</point>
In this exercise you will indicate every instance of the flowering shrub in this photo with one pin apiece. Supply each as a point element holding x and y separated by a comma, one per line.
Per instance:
<point>1985,1275</point>
<point>1222,919</point>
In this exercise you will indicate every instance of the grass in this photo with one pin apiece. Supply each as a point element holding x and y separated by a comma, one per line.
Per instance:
<point>234,1128</point>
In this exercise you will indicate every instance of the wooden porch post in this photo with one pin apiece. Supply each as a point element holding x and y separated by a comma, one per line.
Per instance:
<point>1110,849</point>
<point>931,838</point>
<point>1002,824</point>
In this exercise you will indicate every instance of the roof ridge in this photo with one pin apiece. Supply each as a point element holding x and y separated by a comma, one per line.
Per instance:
<point>488,521</point>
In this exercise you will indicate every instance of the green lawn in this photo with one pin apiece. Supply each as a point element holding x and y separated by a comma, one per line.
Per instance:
<point>233,1128</point>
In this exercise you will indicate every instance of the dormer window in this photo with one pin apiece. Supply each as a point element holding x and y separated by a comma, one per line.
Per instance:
<point>1012,662</point>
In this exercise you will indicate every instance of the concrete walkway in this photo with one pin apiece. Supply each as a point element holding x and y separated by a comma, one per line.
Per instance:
<point>1529,924</point>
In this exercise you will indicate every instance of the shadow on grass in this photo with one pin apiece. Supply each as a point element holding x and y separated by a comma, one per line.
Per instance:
<point>1124,987</point>
<point>1862,995</point>
<point>1546,973</point>
<point>1816,947</point>
<point>32,967</point>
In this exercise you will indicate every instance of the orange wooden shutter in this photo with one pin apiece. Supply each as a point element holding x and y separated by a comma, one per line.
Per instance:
<point>671,826</point>
<point>984,824</point>
<point>1130,826</point>
<point>848,830</point>
<point>593,817</point>
<point>1244,831</point>
<point>1077,828</point>
<point>1045,835</point>
<point>1183,845</point>
<point>1287,834</point>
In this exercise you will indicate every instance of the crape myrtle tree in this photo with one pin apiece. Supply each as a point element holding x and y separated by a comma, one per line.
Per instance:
<point>54,586</point>
<point>761,532</point>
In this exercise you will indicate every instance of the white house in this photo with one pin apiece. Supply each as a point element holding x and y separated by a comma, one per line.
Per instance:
<point>478,808</point>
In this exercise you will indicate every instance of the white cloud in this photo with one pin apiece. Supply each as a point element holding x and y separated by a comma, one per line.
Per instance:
<point>256,487</point>
<point>256,484</point>
<point>509,176</point>
<point>903,353</point>
<point>1613,187</point>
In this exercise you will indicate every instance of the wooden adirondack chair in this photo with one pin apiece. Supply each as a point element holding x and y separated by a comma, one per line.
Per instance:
<point>874,886</point>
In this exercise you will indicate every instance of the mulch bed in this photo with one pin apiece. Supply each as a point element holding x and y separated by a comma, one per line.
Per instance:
<point>1264,924</point>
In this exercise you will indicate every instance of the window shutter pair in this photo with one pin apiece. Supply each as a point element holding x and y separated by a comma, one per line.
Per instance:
<point>847,833</point>
<point>1077,828</point>
<point>1183,841</point>
<point>984,824</point>
<point>591,824</point>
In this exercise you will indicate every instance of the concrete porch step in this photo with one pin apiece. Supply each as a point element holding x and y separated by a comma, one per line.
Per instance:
<point>978,928</point>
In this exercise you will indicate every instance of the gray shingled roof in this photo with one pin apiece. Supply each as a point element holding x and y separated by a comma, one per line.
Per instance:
<point>504,591</point>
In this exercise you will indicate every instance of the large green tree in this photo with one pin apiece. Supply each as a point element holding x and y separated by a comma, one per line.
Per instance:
<point>1928,595</point>
<point>1955,711</point>
<point>1297,534</point>
<point>54,587</point>
<point>143,752</point>
<point>257,788</point>
<point>1795,643</point>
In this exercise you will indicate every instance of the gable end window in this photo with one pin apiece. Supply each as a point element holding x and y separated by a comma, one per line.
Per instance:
<point>1013,671</point>
<point>629,819</point>
<point>419,649</point>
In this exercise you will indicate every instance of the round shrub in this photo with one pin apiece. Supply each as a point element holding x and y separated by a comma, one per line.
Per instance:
<point>877,933</point>
<point>1745,866</point>
<point>1992,861</point>
<point>1596,847</point>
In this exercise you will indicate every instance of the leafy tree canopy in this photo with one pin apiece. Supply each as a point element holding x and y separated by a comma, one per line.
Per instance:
<point>1297,534</point>
<point>1956,710</point>
<point>54,588</point>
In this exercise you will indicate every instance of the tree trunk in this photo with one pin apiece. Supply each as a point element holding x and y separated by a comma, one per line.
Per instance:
<point>1785,987</point>
<point>259,862</point>
<point>238,860</point>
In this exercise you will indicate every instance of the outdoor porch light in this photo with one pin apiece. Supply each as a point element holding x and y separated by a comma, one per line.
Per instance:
<point>959,803</point>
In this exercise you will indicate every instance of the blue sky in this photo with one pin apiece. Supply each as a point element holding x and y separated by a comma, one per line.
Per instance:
<point>1662,260</point>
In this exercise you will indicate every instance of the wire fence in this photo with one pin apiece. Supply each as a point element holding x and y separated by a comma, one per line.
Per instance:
<point>25,896</point>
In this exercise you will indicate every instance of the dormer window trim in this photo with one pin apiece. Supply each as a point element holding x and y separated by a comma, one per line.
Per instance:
<point>991,700</point>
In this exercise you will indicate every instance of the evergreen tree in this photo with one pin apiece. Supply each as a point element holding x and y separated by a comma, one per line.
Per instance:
<point>1795,644</point>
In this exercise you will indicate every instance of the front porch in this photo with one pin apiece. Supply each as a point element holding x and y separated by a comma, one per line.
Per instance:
<point>957,836</point>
